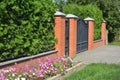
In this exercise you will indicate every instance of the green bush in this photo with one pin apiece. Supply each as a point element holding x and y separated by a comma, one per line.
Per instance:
<point>26,27</point>
<point>97,34</point>
<point>87,11</point>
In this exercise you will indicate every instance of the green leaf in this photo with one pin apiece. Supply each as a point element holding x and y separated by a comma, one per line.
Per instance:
<point>1,28</point>
<point>5,54</point>
<point>27,44</point>
<point>1,45</point>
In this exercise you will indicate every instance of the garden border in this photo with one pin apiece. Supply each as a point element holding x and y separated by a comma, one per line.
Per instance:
<point>67,71</point>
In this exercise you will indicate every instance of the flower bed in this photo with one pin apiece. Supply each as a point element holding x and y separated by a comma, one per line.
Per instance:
<point>37,70</point>
<point>75,67</point>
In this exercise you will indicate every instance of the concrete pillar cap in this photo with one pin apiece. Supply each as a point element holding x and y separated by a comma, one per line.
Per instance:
<point>104,21</point>
<point>71,16</point>
<point>89,19</point>
<point>58,13</point>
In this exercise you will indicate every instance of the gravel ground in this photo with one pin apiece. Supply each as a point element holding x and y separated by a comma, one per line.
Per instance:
<point>103,54</point>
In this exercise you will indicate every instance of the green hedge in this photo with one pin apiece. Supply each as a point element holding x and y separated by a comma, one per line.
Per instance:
<point>26,27</point>
<point>87,11</point>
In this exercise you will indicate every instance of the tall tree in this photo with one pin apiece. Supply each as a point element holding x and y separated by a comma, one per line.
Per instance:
<point>60,4</point>
<point>111,13</point>
<point>112,16</point>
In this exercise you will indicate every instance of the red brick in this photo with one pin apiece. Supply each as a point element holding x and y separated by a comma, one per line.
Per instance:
<point>60,35</point>
<point>72,36</point>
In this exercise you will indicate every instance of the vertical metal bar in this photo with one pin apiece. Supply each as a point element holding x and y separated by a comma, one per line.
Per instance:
<point>67,38</point>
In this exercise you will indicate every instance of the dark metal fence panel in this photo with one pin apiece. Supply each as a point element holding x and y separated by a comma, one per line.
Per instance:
<point>67,38</point>
<point>82,36</point>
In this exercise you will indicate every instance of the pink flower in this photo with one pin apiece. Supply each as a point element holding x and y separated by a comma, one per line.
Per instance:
<point>55,71</point>
<point>48,60</point>
<point>47,71</point>
<point>63,59</point>
<point>12,69</point>
<point>32,69</point>
<point>26,68</point>
<point>65,67</point>
<point>30,76</point>
<point>2,77</point>
<point>40,74</point>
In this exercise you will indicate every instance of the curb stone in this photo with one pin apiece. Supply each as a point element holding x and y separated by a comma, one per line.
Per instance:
<point>66,72</point>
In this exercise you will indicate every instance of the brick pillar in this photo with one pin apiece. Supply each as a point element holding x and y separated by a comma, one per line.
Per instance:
<point>90,32</point>
<point>60,33</point>
<point>72,34</point>
<point>103,32</point>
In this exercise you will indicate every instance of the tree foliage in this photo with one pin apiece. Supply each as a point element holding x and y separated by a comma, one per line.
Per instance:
<point>80,2</point>
<point>25,27</point>
<point>111,13</point>
<point>60,4</point>
<point>87,11</point>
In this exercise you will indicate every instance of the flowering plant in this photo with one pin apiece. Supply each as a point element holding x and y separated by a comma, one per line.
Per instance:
<point>37,70</point>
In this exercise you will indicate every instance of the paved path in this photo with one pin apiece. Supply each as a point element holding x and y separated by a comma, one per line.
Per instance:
<point>103,54</point>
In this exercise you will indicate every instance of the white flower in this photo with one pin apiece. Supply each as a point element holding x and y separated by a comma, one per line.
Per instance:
<point>7,71</point>
<point>17,79</point>
<point>23,78</point>
<point>13,75</point>
<point>33,73</point>
<point>19,76</point>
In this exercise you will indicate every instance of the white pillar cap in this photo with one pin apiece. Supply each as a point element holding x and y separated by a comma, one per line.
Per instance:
<point>58,13</point>
<point>104,21</point>
<point>71,16</point>
<point>89,19</point>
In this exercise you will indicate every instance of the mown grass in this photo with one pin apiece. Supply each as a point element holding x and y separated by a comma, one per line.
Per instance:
<point>115,43</point>
<point>97,72</point>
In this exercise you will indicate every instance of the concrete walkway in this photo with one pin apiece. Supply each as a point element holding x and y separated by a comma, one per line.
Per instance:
<point>103,54</point>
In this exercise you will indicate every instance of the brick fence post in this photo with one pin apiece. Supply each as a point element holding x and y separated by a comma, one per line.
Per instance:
<point>72,34</point>
<point>103,32</point>
<point>107,37</point>
<point>90,32</point>
<point>60,33</point>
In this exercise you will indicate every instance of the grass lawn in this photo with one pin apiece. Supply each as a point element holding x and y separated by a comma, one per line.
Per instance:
<point>97,72</point>
<point>115,43</point>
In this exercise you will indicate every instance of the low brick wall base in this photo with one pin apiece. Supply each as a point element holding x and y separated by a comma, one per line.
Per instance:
<point>29,60</point>
<point>98,43</point>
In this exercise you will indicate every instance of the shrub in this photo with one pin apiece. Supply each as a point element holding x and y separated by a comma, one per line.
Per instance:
<point>26,27</point>
<point>87,11</point>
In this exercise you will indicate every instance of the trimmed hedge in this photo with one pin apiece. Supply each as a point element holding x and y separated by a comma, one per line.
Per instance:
<point>87,11</point>
<point>26,27</point>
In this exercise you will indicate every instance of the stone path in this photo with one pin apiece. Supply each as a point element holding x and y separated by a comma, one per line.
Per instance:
<point>103,54</point>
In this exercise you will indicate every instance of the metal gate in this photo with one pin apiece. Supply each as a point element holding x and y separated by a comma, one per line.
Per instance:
<point>82,36</point>
<point>67,38</point>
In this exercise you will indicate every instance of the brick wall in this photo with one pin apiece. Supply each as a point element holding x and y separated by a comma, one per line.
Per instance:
<point>29,60</point>
<point>98,43</point>
<point>60,33</point>
<point>102,41</point>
